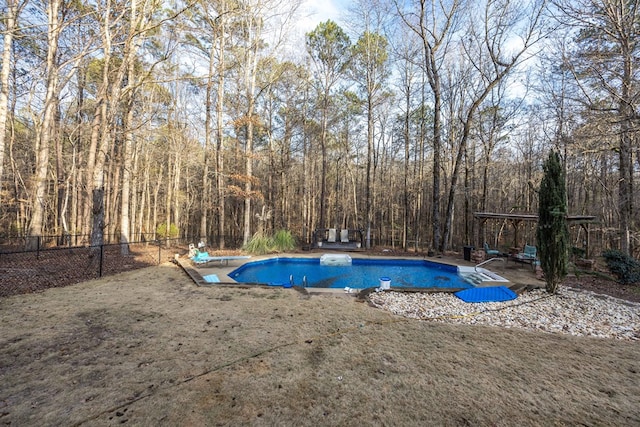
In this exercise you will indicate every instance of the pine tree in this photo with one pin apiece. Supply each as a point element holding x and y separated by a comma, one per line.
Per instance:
<point>553,233</point>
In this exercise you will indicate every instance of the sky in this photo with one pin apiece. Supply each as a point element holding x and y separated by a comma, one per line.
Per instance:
<point>316,11</point>
<point>308,16</point>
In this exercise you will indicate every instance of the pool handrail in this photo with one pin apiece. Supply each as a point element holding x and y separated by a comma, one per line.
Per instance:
<point>487,262</point>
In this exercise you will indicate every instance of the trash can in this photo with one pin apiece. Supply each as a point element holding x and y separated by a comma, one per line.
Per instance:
<point>467,253</point>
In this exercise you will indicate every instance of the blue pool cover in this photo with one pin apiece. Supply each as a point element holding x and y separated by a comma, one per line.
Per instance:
<point>488,294</point>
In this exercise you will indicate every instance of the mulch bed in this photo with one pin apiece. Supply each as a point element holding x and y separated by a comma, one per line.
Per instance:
<point>604,286</point>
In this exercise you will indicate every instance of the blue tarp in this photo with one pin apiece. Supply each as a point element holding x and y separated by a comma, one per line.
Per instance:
<point>488,294</point>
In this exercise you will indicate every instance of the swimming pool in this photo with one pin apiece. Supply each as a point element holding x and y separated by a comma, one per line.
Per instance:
<point>361,274</point>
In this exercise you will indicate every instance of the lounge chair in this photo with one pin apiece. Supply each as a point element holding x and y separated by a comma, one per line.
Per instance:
<point>199,255</point>
<point>490,252</point>
<point>203,258</point>
<point>344,235</point>
<point>332,235</point>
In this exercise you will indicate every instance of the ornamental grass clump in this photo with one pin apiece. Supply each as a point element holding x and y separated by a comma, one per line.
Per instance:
<point>281,241</point>
<point>258,245</point>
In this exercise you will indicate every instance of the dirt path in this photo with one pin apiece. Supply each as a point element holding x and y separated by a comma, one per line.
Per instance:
<point>150,348</point>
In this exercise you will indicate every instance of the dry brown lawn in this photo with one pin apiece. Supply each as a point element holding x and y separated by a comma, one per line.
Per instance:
<point>149,347</point>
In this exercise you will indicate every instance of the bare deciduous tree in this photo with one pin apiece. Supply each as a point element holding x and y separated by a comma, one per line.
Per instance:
<point>608,41</point>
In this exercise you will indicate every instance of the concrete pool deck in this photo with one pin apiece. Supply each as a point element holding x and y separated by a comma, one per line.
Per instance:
<point>519,276</point>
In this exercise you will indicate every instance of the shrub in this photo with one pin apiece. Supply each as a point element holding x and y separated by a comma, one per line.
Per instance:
<point>552,233</point>
<point>162,233</point>
<point>625,268</point>
<point>578,252</point>
<point>259,245</point>
<point>283,241</point>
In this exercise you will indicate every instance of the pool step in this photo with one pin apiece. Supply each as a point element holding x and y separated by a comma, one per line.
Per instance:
<point>477,279</point>
<point>480,277</point>
<point>335,259</point>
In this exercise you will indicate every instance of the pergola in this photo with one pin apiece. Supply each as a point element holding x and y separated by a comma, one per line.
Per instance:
<point>515,219</point>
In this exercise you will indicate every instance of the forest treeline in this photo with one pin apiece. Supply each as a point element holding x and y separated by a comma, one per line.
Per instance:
<point>124,120</point>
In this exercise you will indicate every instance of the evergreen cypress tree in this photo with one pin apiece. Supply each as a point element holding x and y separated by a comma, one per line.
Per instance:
<point>552,232</point>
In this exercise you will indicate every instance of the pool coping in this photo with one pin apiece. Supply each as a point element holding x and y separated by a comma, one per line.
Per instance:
<point>197,273</point>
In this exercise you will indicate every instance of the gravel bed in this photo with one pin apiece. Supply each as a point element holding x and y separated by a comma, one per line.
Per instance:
<point>569,311</point>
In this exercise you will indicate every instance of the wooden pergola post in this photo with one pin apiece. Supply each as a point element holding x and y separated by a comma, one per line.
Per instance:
<point>587,243</point>
<point>516,224</point>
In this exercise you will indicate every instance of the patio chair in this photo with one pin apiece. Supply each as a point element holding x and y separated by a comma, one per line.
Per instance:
<point>529,253</point>
<point>490,252</point>
<point>332,235</point>
<point>528,256</point>
<point>344,235</point>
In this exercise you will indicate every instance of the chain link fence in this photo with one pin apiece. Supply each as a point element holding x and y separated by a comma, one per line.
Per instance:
<point>32,271</point>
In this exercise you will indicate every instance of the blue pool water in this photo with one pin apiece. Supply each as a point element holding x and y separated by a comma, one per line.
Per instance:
<point>363,273</point>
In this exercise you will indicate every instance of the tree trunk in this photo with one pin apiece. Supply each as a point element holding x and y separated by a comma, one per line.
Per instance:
<point>125,220</point>
<point>437,165</point>
<point>220,181</point>
<point>97,228</point>
<point>94,173</point>
<point>369,184</point>
<point>625,184</point>
<point>250,81</point>
<point>109,98</point>
<point>406,190</point>
<point>61,224</point>
<point>176,193</point>
<point>112,185</point>
<point>10,26</point>
<point>248,186</point>
<point>323,154</point>
<point>206,185</point>
<point>46,134</point>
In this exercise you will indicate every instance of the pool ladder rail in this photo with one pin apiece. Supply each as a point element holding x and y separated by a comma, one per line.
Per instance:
<point>292,282</point>
<point>488,261</point>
